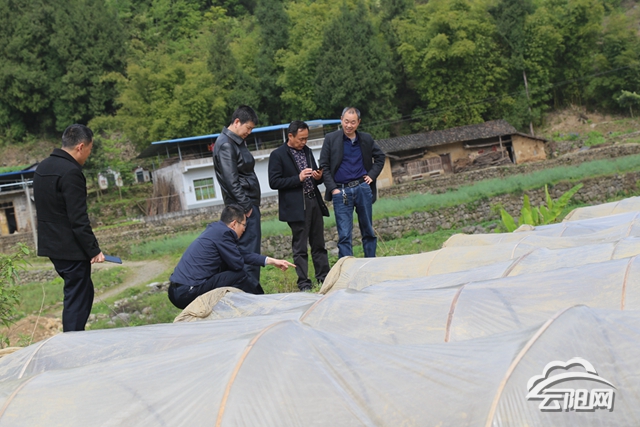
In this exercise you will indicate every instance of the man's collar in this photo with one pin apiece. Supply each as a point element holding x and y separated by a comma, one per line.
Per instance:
<point>346,138</point>
<point>59,152</point>
<point>291,148</point>
<point>232,135</point>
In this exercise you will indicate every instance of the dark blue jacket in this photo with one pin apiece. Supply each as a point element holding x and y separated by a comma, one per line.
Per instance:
<point>214,251</point>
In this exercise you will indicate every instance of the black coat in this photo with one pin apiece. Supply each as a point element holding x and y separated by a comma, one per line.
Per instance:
<point>234,166</point>
<point>284,176</point>
<point>60,191</point>
<point>331,158</point>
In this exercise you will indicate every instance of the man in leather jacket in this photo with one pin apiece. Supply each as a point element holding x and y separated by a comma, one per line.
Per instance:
<point>234,166</point>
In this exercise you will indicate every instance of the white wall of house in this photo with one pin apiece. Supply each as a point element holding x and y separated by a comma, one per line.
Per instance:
<point>183,174</point>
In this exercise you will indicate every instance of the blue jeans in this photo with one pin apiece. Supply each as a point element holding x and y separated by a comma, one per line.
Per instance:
<point>250,242</point>
<point>360,198</point>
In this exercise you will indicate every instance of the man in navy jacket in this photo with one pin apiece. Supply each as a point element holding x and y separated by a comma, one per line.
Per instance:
<point>64,230</point>
<point>214,260</point>
<point>294,173</point>
<point>351,162</point>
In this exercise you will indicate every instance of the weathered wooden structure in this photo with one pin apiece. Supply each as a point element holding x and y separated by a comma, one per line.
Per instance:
<point>457,149</point>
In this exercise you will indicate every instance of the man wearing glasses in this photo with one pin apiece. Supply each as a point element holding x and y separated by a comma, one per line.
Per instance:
<point>214,260</point>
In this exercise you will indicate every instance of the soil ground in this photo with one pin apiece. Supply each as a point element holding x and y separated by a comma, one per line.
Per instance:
<point>36,328</point>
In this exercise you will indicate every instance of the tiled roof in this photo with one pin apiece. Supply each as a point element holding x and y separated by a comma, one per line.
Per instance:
<point>484,130</point>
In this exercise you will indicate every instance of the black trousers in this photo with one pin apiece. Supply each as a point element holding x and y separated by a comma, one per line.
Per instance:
<point>183,295</point>
<point>311,229</point>
<point>78,292</point>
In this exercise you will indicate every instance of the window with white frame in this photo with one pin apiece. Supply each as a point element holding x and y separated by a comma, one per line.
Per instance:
<point>204,189</point>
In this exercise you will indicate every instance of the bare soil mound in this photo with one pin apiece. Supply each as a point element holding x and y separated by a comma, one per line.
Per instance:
<point>32,329</point>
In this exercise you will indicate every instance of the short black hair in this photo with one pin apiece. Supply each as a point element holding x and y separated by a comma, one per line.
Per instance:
<point>232,213</point>
<point>295,126</point>
<point>245,114</point>
<point>75,134</point>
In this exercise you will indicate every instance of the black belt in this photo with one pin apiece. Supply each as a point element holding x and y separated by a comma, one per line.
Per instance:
<point>310,195</point>
<point>351,183</point>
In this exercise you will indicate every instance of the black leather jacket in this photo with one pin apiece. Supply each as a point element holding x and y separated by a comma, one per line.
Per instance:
<point>234,166</point>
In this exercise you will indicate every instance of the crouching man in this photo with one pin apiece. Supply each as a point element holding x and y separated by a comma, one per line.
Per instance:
<point>213,260</point>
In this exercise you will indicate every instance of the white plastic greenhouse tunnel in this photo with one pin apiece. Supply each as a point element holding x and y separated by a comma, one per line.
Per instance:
<point>539,327</point>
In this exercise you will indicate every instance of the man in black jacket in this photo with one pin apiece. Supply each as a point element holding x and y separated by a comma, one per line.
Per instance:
<point>294,173</point>
<point>351,162</point>
<point>64,230</point>
<point>234,166</point>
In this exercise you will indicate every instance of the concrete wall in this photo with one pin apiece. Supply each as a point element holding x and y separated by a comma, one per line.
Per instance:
<point>20,207</point>
<point>528,149</point>
<point>385,179</point>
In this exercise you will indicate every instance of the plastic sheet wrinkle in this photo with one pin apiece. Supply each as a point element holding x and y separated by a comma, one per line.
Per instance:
<point>624,282</point>
<point>452,309</point>
<point>234,374</point>
<point>518,358</point>
<point>24,368</point>
<point>509,269</point>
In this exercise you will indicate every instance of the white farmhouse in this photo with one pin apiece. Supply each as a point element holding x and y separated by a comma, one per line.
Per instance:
<point>186,164</point>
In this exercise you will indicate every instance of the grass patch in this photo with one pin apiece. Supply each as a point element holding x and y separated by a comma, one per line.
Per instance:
<point>594,138</point>
<point>49,295</point>
<point>168,245</point>
<point>33,294</point>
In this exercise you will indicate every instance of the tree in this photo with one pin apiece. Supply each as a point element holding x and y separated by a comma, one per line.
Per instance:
<point>167,97</point>
<point>55,54</point>
<point>579,24</point>
<point>273,24</point>
<point>449,50</point>
<point>231,58</point>
<point>353,69</point>
<point>628,99</point>
<point>510,16</point>
<point>616,62</point>
<point>299,61</point>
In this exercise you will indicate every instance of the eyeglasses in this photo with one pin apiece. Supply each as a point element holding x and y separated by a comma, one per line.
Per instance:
<point>243,224</point>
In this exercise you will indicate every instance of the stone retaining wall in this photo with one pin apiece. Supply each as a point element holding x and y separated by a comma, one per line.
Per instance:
<point>595,191</point>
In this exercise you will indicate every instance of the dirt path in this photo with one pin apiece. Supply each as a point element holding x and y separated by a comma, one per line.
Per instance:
<point>46,326</point>
<point>142,272</point>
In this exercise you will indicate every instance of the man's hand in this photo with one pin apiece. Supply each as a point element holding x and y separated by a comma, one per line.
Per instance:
<point>248,214</point>
<point>97,258</point>
<point>305,173</point>
<point>317,174</point>
<point>368,179</point>
<point>282,264</point>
